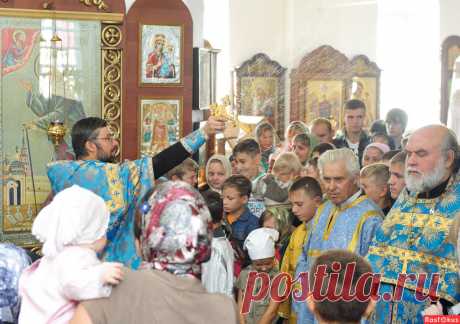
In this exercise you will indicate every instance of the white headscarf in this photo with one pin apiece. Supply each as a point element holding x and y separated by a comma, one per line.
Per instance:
<point>260,243</point>
<point>226,165</point>
<point>75,216</point>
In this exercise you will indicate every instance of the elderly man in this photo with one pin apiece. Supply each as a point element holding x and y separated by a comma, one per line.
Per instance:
<point>347,220</point>
<point>414,239</point>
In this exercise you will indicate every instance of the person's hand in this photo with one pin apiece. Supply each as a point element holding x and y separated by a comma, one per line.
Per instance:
<point>213,125</point>
<point>435,309</point>
<point>27,85</point>
<point>231,131</point>
<point>113,273</point>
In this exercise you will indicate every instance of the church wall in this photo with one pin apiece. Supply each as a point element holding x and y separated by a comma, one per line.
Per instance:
<point>257,26</point>
<point>450,24</point>
<point>349,26</point>
<point>286,30</point>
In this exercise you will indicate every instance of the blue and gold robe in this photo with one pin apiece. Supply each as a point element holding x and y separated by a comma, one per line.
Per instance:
<point>414,239</point>
<point>122,186</point>
<point>350,226</point>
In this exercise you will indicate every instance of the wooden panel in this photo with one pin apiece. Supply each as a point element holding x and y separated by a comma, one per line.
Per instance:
<point>260,89</point>
<point>154,12</point>
<point>325,79</point>
<point>450,51</point>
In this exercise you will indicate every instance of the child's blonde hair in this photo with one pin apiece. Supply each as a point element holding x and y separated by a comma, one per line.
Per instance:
<point>380,173</point>
<point>179,171</point>
<point>287,162</point>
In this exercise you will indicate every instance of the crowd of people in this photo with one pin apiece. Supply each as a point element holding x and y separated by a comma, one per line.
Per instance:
<point>140,242</point>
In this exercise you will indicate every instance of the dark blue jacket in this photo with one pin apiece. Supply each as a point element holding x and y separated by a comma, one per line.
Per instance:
<point>244,225</point>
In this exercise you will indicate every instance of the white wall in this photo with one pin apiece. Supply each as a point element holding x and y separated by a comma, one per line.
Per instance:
<point>257,26</point>
<point>286,30</point>
<point>450,22</point>
<point>349,26</point>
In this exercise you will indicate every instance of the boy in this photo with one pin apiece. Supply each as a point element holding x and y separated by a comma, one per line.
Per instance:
<point>217,273</point>
<point>247,158</point>
<point>353,135</point>
<point>187,171</point>
<point>274,187</point>
<point>265,135</point>
<point>321,148</point>
<point>374,182</point>
<point>301,147</point>
<point>340,311</point>
<point>235,192</point>
<point>260,245</point>
<point>397,168</point>
<point>305,196</point>
<point>396,121</point>
<point>322,129</point>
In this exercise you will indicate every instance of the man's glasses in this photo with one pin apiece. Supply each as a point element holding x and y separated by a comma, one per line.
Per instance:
<point>108,138</point>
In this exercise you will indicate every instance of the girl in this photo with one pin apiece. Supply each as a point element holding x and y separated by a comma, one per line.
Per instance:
<point>72,228</point>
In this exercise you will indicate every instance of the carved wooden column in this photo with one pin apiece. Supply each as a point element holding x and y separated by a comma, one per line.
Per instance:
<point>112,59</point>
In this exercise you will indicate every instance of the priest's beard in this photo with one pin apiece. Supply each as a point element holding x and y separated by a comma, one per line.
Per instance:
<point>105,157</point>
<point>425,182</point>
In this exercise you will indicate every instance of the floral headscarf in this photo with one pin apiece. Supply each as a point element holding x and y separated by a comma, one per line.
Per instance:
<point>13,260</point>
<point>176,230</point>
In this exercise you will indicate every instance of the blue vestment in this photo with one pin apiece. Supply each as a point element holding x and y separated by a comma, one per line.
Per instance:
<point>414,239</point>
<point>350,226</point>
<point>122,186</point>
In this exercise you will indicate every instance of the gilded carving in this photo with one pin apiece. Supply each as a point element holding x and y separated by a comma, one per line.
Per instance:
<point>111,35</point>
<point>100,4</point>
<point>111,65</point>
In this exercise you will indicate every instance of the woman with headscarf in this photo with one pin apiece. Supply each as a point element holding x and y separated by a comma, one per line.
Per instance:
<point>175,241</point>
<point>218,169</point>
<point>72,229</point>
<point>13,260</point>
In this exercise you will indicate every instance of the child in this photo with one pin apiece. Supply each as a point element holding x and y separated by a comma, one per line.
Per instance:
<point>269,220</point>
<point>235,192</point>
<point>301,147</point>
<point>273,188</point>
<point>217,273</point>
<point>260,245</point>
<point>294,128</point>
<point>321,148</point>
<point>265,134</point>
<point>187,171</point>
<point>341,311</point>
<point>247,158</point>
<point>388,156</point>
<point>397,181</point>
<point>382,138</point>
<point>72,228</point>
<point>305,196</point>
<point>233,164</point>
<point>374,182</point>
<point>373,153</point>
